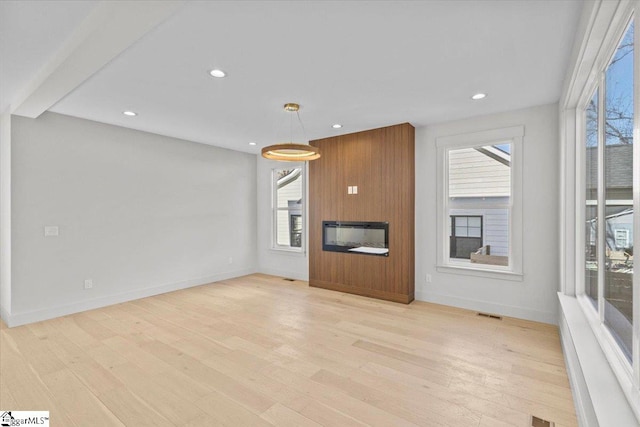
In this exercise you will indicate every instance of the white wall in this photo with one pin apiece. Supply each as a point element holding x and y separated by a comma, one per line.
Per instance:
<point>293,265</point>
<point>138,214</point>
<point>535,296</point>
<point>5,215</point>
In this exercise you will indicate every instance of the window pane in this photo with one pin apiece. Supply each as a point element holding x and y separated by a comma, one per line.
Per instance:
<point>461,221</point>
<point>490,240</point>
<point>289,186</point>
<point>282,228</point>
<point>474,232</point>
<point>619,93</point>
<point>295,230</point>
<point>461,231</point>
<point>475,221</point>
<point>478,173</point>
<point>463,247</point>
<point>591,201</point>
<point>288,210</point>
<point>618,287</point>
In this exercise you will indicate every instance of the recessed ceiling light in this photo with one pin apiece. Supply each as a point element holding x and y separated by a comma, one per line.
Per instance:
<point>217,73</point>
<point>337,126</point>
<point>130,113</point>
<point>252,143</point>
<point>479,96</point>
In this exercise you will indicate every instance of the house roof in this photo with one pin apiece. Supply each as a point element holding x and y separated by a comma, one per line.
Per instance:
<point>618,166</point>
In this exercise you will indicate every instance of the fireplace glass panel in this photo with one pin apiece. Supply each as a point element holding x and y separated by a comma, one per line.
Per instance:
<point>371,238</point>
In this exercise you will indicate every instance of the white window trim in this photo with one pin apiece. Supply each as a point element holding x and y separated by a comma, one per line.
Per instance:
<point>627,374</point>
<point>288,250</point>
<point>513,135</point>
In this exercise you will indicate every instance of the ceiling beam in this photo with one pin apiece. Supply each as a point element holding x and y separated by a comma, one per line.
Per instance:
<point>109,30</point>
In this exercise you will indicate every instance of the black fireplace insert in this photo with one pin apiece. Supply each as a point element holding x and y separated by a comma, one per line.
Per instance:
<point>369,238</point>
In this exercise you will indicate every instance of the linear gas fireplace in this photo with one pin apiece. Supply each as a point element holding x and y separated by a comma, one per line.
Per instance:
<point>370,238</point>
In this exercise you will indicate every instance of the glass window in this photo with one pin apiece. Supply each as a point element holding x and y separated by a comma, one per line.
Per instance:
<point>480,203</point>
<point>591,200</point>
<point>609,181</point>
<point>609,211</point>
<point>295,229</point>
<point>288,194</point>
<point>466,236</point>
<point>618,174</point>
<point>479,187</point>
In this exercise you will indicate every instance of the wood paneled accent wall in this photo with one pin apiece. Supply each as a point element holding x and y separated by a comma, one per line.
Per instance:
<point>381,162</point>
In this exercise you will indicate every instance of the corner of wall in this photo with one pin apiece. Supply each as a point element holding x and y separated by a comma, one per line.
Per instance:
<point>150,214</point>
<point>5,216</point>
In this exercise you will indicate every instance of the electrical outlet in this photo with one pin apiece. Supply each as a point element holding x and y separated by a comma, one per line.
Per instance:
<point>428,278</point>
<point>88,284</point>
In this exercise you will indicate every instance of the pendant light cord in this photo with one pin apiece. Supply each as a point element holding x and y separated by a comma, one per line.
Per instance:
<point>291,128</point>
<point>304,131</point>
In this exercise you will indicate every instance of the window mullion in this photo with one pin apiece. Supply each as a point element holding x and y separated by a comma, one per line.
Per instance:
<point>274,210</point>
<point>601,239</point>
<point>636,203</point>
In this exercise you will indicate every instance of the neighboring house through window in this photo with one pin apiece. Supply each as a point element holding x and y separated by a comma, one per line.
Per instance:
<point>288,186</point>
<point>466,236</point>
<point>295,229</point>
<point>622,239</point>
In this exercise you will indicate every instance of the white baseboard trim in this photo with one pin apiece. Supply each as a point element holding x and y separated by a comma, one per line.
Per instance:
<point>489,307</point>
<point>4,315</point>
<point>282,273</point>
<point>18,319</point>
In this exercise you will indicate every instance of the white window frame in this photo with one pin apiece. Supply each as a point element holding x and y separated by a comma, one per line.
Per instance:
<point>274,209</point>
<point>628,374</point>
<point>511,135</point>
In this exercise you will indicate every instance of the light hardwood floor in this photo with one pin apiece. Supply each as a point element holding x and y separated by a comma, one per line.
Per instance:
<point>260,351</point>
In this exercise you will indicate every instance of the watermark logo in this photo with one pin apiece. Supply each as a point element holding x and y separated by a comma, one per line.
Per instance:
<point>24,418</point>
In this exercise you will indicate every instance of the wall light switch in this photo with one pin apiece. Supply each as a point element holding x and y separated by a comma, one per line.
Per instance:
<point>355,189</point>
<point>88,283</point>
<point>51,231</point>
<point>349,190</point>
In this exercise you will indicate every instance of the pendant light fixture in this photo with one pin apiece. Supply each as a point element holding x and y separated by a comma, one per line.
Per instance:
<point>291,152</point>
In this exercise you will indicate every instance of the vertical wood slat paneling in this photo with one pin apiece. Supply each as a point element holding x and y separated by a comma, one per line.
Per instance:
<point>381,162</point>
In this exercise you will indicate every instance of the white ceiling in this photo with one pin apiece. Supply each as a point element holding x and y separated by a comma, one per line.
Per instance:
<point>31,32</point>
<point>363,64</point>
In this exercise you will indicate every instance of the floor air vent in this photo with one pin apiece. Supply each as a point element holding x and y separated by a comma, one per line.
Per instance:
<point>289,280</point>
<point>490,316</point>
<point>539,422</point>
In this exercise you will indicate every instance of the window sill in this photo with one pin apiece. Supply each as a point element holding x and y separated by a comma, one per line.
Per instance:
<point>612,396</point>
<point>289,251</point>
<point>488,273</point>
